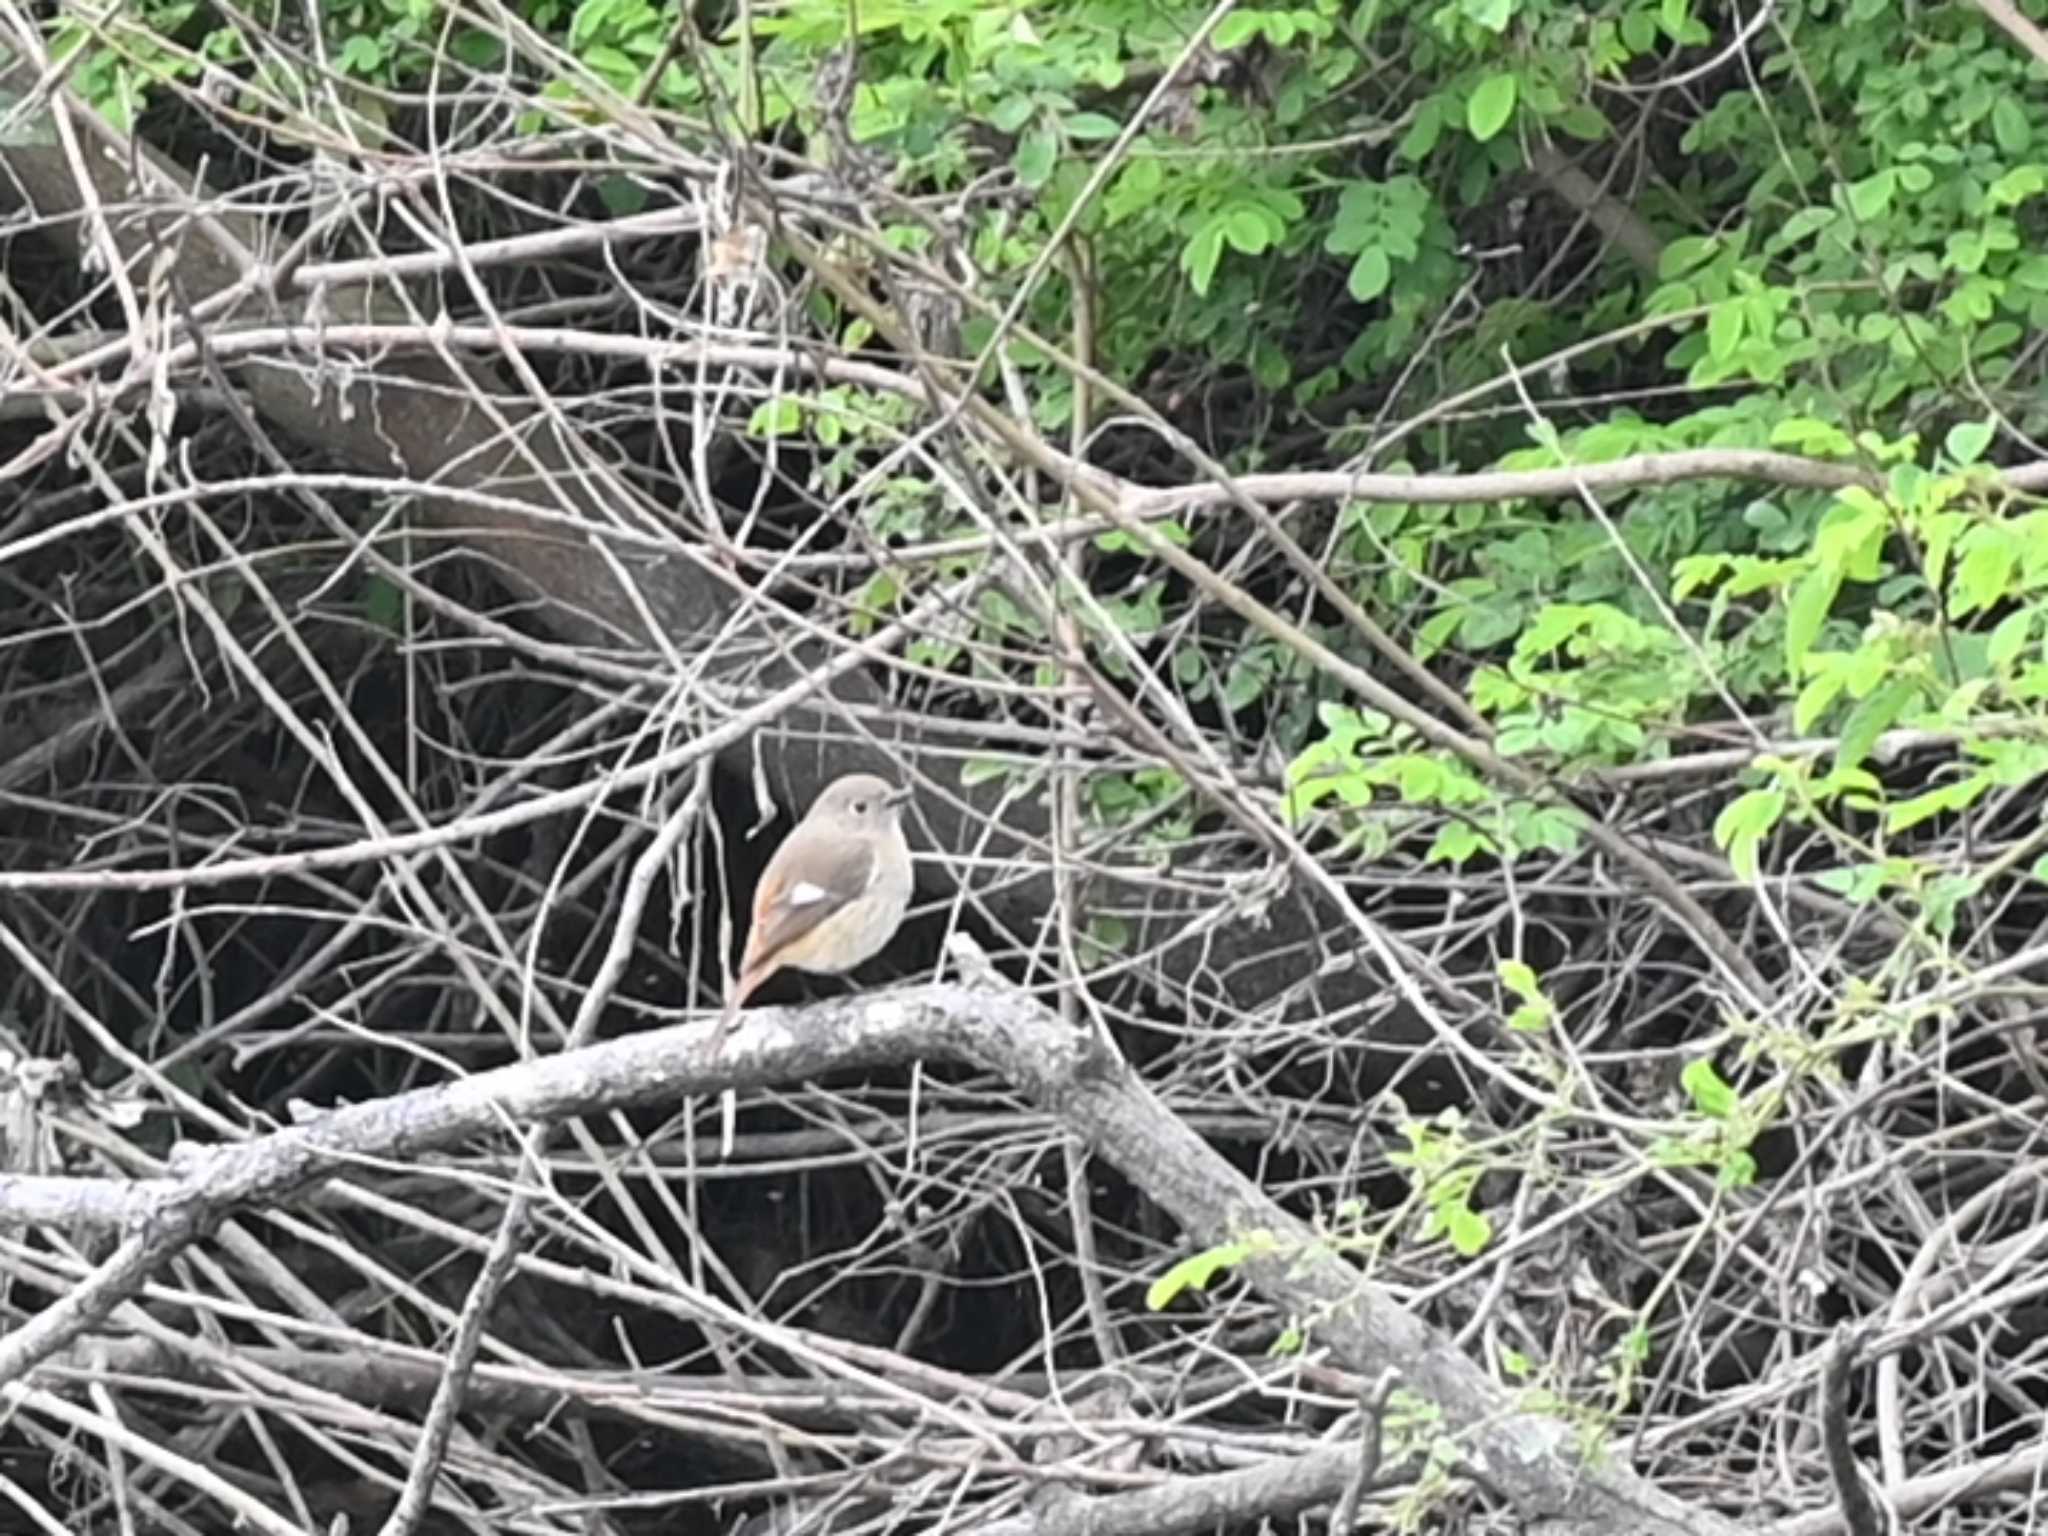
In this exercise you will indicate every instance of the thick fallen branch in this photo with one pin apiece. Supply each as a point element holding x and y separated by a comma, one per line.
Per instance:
<point>1530,1458</point>
<point>1271,1492</point>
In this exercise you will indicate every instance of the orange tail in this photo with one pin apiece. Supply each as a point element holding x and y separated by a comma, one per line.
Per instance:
<point>742,989</point>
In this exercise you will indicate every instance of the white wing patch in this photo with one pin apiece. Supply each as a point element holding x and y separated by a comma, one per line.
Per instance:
<point>804,894</point>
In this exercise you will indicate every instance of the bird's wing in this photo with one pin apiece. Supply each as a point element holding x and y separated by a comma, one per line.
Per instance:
<point>788,905</point>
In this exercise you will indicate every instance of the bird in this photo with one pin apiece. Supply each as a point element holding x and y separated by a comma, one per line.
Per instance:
<point>834,893</point>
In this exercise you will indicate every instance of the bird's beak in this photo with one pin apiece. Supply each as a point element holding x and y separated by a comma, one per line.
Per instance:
<point>896,797</point>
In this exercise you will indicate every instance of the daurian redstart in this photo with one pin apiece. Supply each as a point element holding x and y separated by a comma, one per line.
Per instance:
<point>834,893</point>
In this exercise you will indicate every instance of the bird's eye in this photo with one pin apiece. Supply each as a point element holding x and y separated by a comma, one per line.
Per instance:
<point>860,807</point>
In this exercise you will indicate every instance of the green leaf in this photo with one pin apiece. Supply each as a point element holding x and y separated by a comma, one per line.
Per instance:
<point>1250,228</point>
<point>1858,884</point>
<point>622,198</point>
<point>1806,610</point>
<point>1494,15</point>
<point>777,417</point>
<point>1491,105</point>
<point>1684,254</point>
<point>1809,435</point>
<point>1740,829</point>
<point>1709,1093</point>
<point>1110,935</point>
<point>1468,1231</point>
<point>361,54</point>
<point>1738,1172</point>
<point>1389,215</point>
<point>1136,190</point>
<point>2010,125</point>
<point>2016,186</point>
<point>1724,328</point>
<point>1370,275</point>
<point>1090,127</point>
<point>1967,440</point>
<point>1428,127</point>
<point>1959,796</point>
<point>1691,572</point>
<point>1237,29</point>
<point>1585,123</point>
<point>1871,719</point>
<point>982,770</point>
<point>2009,638</point>
<point>875,600</point>
<point>1457,841</point>
<point>384,605</point>
<point>1816,696</point>
<point>1851,534</point>
<point>1983,576</point>
<point>1012,113</point>
<point>1871,196</point>
<point>1271,366</point>
<point>1201,255</point>
<point>1940,535</point>
<point>1536,1012</point>
<point>1242,686</point>
<point>1807,221</point>
<point>1037,156</point>
<point>1197,1270</point>
<point>1167,530</point>
<point>613,63</point>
